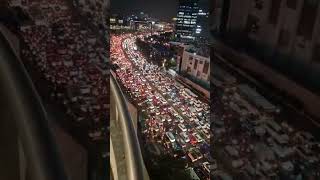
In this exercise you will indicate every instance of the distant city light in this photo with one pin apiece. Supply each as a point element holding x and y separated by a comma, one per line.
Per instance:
<point>202,14</point>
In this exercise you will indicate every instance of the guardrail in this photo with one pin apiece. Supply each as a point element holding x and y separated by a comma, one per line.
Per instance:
<point>135,167</point>
<point>38,151</point>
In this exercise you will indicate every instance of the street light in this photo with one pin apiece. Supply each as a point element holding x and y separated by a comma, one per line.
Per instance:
<point>164,62</point>
<point>152,23</point>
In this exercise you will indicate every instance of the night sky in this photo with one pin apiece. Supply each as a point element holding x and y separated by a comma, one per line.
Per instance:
<point>161,9</point>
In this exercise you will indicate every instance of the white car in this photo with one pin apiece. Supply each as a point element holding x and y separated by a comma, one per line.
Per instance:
<point>185,136</point>
<point>182,127</point>
<point>198,137</point>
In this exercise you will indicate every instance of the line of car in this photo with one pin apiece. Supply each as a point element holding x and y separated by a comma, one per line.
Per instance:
<point>173,115</point>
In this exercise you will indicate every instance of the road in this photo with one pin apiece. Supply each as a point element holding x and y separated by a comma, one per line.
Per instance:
<point>160,97</point>
<point>289,112</point>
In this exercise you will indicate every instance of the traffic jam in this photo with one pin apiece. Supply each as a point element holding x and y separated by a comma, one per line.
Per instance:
<point>174,117</point>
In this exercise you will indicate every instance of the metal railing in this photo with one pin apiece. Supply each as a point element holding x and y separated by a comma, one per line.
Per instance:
<point>34,137</point>
<point>29,122</point>
<point>135,168</point>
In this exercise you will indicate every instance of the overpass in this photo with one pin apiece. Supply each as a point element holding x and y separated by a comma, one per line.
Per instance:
<point>125,154</point>
<point>28,150</point>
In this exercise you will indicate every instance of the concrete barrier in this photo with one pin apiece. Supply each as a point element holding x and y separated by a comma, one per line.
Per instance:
<point>310,100</point>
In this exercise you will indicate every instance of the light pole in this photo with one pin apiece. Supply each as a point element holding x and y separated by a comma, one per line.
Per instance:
<point>164,62</point>
<point>152,24</point>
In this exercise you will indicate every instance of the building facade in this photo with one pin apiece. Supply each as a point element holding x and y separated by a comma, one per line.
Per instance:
<point>202,30</point>
<point>196,65</point>
<point>287,26</point>
<point>186,22</point>
<point>215,15</point>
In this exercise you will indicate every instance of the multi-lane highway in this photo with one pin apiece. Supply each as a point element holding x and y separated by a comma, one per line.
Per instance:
<point>176,120</point>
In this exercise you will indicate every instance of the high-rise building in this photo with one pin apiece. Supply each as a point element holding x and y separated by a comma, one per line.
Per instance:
<point>279,35</point>
<point>284,26</point>
<point>202,30</point>
<point>186,22</point>
<point>215,15</point>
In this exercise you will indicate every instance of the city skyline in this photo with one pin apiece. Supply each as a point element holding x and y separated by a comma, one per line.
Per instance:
<point>164,10</point>
<point>91,92</point>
